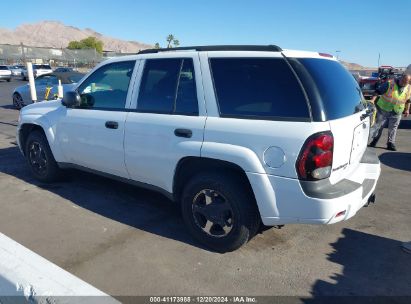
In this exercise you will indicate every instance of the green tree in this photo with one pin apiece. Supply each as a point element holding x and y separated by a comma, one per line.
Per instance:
<point>87,43</point>
<point>171,42</point>
<point>74,45</point>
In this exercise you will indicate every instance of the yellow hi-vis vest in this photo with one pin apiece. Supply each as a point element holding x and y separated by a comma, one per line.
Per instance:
<point>393,100</point>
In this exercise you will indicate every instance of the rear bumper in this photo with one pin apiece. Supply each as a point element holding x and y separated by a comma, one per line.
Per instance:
<point>286,201</point>
<point>5,77</point>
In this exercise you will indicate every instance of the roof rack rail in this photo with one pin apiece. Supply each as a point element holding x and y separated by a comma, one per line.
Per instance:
<point>261,48</point>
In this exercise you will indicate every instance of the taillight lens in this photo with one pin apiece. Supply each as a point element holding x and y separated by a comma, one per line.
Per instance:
<point>316,157</point>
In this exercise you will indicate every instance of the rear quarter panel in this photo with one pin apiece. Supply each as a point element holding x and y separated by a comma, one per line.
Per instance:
<point>252,137</point>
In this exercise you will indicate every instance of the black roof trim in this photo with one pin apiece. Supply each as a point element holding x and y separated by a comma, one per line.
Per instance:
<point>206,48</point>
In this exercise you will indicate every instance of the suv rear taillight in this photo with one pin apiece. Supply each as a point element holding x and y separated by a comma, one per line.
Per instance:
<point>316,157</point>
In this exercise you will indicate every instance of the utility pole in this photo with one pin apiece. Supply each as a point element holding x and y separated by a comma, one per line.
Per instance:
<point>23,55</point>
<point>379,56</point>
<point>337,52</point>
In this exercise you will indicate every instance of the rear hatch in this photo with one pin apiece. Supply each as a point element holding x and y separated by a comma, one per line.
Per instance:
<point>4,70</point>
<point>42,69</point>
<point>336,97</point>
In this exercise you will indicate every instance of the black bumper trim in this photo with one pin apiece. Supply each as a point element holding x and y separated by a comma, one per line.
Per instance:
<point>323,189</point>
<point>367,186</point>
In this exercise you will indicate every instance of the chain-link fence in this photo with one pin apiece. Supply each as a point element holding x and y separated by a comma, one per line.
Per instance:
<point>10,54</point>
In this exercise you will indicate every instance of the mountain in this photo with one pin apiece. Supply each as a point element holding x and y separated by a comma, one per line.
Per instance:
<point>355,66</point>
<point>58,35</point>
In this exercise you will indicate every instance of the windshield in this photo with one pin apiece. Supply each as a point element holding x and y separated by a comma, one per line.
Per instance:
<point>331,85</point>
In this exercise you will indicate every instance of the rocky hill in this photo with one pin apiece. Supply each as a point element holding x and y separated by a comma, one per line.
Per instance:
<point>355,66</point>
<point>57,34</point>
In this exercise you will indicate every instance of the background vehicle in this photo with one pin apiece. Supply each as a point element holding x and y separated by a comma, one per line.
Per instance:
<point>16,70</point>
<point>21,95</point>
<point>369,85</point>
<point>238,135</point>
<point>5,73</point>
<point>63,70</point>
<point>38,70</point>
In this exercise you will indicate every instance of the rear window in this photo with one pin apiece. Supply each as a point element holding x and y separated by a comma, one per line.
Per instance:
<point>340,95</point>
<point>259,88</point>
<point>3,67</point>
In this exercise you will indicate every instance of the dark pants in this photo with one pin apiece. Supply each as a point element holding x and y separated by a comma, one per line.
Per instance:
<point>383,117</point>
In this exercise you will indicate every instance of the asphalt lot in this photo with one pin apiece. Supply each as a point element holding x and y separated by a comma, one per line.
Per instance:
<point>128,241</point>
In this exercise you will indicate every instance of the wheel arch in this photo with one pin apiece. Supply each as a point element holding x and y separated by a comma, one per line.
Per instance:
<point>24,132</point>
<point>189,166</point>
<point>27,127</point>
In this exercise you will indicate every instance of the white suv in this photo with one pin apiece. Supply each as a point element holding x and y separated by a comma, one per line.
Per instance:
<point>38,70</point>
<point>238,135</point>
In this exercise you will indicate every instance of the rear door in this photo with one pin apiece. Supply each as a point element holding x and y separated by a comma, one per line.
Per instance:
<point>342,105</point>
<point>167,119</point>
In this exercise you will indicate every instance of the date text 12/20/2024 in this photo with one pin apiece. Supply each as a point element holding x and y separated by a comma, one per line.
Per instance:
<point>203,299</point>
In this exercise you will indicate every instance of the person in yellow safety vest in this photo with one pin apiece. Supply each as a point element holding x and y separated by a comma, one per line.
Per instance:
<point>394,97</point>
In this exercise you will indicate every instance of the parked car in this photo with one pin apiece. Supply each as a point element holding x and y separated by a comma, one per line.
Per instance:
<point>22,97</point>
<point>5,73</point>
<point>38,70</point>
<point>368,86</point>
<point>237,135</point>
<point>16,70</point>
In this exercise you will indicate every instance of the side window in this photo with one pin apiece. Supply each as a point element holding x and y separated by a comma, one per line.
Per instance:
<point>107,87</point>
<point>263,88</point>
<point>168,86</point>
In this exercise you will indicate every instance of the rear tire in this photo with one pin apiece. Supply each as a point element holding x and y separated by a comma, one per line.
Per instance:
<point>17,101</point>
<point>40,158</point>
<point>8,80</point>
<point>233,217</point>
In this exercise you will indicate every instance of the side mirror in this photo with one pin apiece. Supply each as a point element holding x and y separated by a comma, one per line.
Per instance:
<point>71,99</point>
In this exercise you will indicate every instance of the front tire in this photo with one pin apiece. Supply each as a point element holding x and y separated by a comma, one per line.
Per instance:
<point>40,158</point>
<point>220,211</point>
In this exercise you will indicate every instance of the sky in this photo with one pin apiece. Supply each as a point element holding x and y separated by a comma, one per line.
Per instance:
<point>357,31</point>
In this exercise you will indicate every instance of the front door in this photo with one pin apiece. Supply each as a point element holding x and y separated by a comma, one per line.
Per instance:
<point>92,135</point>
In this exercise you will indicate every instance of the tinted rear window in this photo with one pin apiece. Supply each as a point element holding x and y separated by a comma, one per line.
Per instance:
<point>3,67</point>
<point>260,88</point>
<point>338,91</point>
